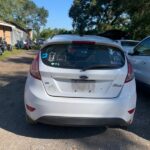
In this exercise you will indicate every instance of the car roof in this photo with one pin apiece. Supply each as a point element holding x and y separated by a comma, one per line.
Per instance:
<point>129,40</point>
<point>73,37</point>
<point>142,41</point>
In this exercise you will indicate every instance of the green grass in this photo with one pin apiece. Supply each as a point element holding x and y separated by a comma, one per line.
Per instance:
<point>8,54</point>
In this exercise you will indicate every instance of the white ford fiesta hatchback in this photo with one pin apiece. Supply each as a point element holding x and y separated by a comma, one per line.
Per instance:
<point>80,80</point>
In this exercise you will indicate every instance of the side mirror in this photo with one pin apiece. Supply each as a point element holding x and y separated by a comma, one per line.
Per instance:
<point>131,54</point>
<point>135,52</point>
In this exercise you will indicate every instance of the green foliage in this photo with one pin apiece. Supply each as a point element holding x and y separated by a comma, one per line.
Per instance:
<point>101,15</point>
<point>7,54</point>
<point>24,13</point>
<point>97,15</point>
<point>139,12</point>
<point>47,33</point>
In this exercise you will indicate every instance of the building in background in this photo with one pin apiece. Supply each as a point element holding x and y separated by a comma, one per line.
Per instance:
<point>12,33</point>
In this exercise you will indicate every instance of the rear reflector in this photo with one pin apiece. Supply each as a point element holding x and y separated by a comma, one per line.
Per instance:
<point>31,109</point>
<point>131,111</point>
<point>83,42</point>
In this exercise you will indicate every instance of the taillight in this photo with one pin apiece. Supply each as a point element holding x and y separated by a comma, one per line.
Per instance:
<point>130,75</point>
<point>34,69</point>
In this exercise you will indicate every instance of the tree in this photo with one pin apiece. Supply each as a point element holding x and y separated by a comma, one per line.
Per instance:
<point>97,15</point>
<point>139,12</point>
<point>101,15</point>
<point>24,13</point>
<point>47,33</point>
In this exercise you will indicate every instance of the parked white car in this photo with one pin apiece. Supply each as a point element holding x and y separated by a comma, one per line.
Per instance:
<point>128,45</point>
<point>140,60</point>
<point>80,80</point>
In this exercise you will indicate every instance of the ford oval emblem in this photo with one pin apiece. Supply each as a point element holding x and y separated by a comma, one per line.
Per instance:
<point>83,77</point>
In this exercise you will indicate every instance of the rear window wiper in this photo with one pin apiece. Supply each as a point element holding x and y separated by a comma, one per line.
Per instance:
<point>100,67</point>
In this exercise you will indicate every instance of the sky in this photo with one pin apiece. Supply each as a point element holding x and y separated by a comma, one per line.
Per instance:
<point>58,13</point>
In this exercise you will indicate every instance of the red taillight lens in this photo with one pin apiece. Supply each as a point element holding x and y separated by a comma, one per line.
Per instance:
<point>130,75</point>
<point>34,69</point>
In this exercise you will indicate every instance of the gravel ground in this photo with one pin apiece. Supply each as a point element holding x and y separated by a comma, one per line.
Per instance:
<point>16,134</point>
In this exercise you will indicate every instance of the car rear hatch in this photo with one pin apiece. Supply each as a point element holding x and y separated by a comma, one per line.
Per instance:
<point>82,70</point>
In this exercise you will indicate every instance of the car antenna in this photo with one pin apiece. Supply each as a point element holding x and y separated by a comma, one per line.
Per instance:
<point>81,32</point>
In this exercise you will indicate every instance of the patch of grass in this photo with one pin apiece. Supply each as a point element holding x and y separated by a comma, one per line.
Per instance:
<point>8,54</point>
<point>36,47</point>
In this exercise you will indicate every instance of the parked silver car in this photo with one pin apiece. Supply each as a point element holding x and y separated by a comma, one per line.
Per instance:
<point>140,59</point>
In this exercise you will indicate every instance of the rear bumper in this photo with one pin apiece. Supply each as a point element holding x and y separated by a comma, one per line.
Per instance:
<point>77,121</point>
<point>79,111</point>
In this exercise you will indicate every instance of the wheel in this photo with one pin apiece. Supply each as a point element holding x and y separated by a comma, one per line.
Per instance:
<point>9,47</point>
<point>29,120</point>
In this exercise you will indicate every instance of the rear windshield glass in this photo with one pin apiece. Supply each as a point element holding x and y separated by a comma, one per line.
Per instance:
<point>126,43</point>
<point>80,56</point>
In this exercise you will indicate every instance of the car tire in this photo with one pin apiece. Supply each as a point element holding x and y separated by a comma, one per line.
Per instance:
<point>29,120</point>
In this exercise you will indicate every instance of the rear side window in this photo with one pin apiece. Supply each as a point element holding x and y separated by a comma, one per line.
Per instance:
<point>79,56</point>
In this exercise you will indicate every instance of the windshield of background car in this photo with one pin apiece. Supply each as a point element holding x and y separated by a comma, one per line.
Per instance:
<point>79,56</point>
<point>126,43</point>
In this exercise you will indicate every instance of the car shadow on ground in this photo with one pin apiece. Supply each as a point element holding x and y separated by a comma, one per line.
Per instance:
<point>20,60</point>
<point>12,116</point>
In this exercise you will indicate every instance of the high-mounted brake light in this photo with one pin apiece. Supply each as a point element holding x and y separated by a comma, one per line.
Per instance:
<point>83,42</point>
<point>34,69</point>
<point>130,75</point>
